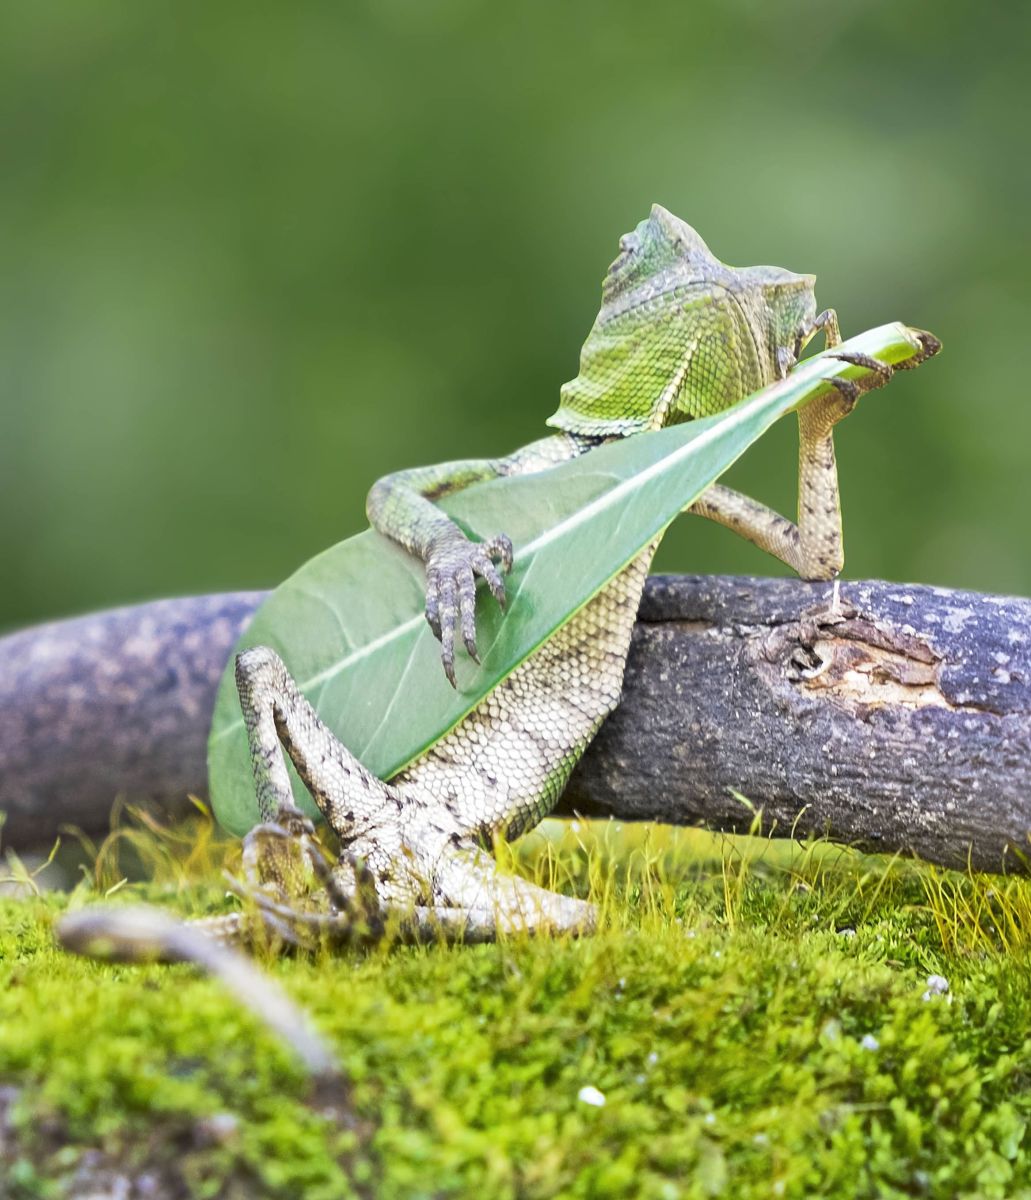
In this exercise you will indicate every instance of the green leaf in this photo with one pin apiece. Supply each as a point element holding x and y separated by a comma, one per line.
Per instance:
<point>349,624</point>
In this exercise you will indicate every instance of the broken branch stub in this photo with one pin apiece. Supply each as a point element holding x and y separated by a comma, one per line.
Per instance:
<point>897,719</point>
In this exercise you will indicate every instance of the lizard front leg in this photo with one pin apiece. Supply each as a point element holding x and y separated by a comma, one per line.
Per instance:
<point>401,506</point>
<point>813,547</point>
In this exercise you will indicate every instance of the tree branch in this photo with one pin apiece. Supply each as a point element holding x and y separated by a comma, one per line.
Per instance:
<point>901,722</point>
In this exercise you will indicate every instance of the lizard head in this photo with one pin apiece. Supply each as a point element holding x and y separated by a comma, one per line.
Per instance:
<point>681,334</point>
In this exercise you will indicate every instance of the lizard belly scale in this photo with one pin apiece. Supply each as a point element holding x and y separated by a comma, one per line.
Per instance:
<point>503,768</point>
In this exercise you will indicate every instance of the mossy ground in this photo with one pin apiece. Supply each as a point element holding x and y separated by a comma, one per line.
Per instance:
<point>753,1013</point>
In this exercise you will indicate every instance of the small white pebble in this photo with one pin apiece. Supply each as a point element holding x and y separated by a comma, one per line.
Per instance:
<point>937,985</point>
<point>761,1139</point>
<point>591,1095</point>
<point>217,1128</point>
<point>869,1042</point>
<point>847,933</point>
<point>652,1058</point>
<point>710,1118</point>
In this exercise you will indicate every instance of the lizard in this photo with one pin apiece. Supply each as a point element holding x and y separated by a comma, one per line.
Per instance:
<point>679,335</point>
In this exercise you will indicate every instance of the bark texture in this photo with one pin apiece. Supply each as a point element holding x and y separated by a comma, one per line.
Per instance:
<point>900,722</point>
<point>897,720</point>
<point>115,704</point>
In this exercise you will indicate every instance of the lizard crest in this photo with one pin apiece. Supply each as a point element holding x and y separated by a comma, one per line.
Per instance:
<point>680,334</point>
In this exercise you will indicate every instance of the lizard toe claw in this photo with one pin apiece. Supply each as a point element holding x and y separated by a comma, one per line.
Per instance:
<point>930,347</point>
<point>494,582</point>
<point>500,546</point>
<point>447,648</point>
<point>849,391</point>
<point>882,370</point>
<point>433,604</point>
<point>467,610</point>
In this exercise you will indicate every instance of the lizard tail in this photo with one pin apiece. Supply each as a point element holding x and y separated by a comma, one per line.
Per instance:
<point>147,935</point>
<point>227,930</point>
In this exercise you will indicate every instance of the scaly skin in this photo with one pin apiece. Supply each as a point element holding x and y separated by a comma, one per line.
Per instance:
<point>679,335</point>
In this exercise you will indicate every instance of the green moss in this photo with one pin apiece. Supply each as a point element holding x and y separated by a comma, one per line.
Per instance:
<point>754,1015</point>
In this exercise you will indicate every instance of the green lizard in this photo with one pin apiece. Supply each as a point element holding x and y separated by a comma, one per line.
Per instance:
<point>679,335</point>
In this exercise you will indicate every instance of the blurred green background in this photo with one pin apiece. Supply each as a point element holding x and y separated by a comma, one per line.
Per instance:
<point>253,257</point>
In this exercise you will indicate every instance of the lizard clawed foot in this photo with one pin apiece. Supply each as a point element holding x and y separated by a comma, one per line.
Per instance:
<point>849,390</point>
<point>347,910</point>
<point>485,904</point>
<point>451,572</point>
<point>278,854</point>
<point>298,927</point>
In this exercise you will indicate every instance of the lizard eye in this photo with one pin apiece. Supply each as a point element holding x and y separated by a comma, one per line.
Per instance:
<point>625,265</point>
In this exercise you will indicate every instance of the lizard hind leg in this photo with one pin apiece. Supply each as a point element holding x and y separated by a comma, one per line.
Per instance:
<point>467,879</point>
<point>280,850</point>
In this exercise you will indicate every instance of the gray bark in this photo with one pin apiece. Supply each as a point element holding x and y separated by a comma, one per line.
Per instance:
<point>899,722</point>
<point>115,704</point>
